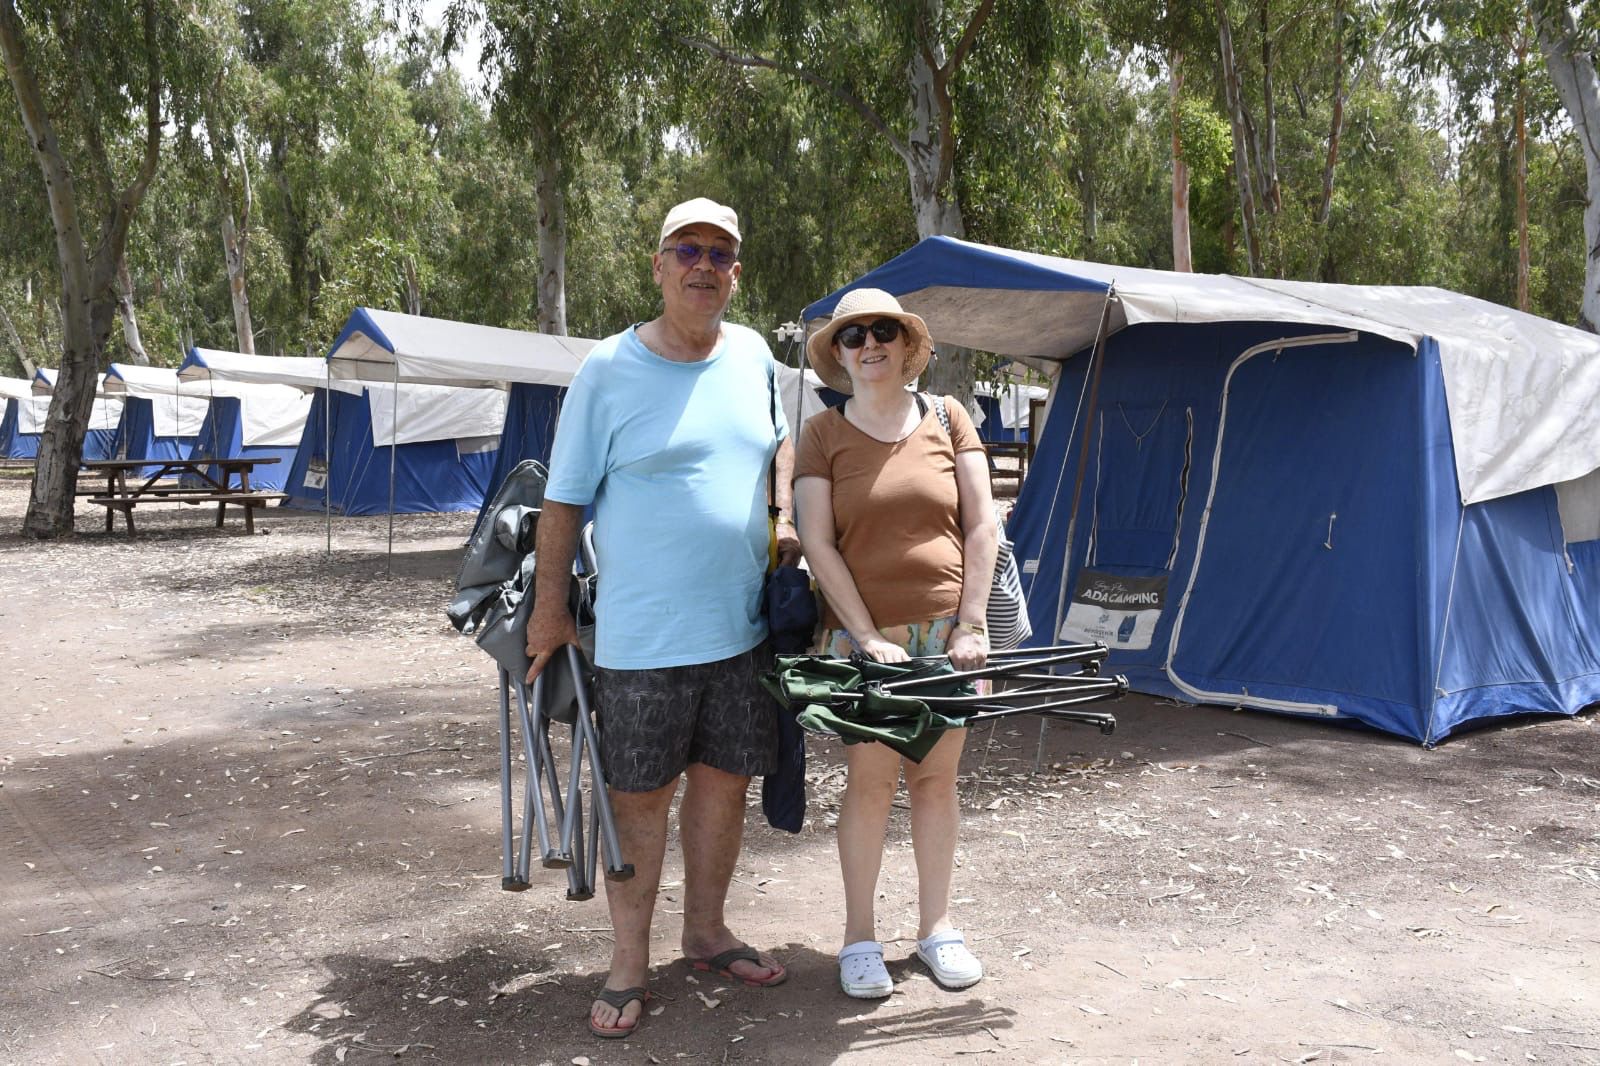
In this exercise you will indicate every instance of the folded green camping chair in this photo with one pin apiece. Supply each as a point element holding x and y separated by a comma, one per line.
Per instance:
<point>909,705</point>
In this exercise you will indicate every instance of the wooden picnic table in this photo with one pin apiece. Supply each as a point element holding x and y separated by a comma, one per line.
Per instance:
<point>127,486</point>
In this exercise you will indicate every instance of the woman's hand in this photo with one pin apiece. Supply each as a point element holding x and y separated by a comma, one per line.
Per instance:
<point>876,648</point>
<point>967,650</point>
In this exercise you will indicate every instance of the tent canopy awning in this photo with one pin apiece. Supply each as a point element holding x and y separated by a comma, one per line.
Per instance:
<point>207,365</point>
<point>1523,393</point>
<point>385,346</point>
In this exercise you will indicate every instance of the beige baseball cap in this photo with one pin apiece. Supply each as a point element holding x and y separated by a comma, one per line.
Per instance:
<point>698,210</point>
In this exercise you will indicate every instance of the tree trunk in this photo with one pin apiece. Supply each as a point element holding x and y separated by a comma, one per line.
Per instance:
<point>1241,142</point>
<point>1182,259</point>
<point>1523,299</point>
<point>235,231</point>
<point>130,321</point>
<point>1271,195</point>
<point>552,241</point>
<point>1577,84</point>
<point>1336,124</point>
<point>413,285</point>
<point>930,160</point>
<point>16,342</point>
<point>88,284</point>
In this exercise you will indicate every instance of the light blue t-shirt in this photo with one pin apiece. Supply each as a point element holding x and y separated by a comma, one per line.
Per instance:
<point>674,457</point>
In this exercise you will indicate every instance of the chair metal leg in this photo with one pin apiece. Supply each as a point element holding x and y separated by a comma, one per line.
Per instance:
<point>616,869</point>
<point>508,869</point>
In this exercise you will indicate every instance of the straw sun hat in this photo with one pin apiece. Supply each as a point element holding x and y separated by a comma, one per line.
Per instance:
<point>867,306</point>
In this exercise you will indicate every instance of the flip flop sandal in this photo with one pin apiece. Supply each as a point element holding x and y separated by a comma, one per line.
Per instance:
<point>722,963</point>
<point>620,998</point>
<point>945,954</point>
<point>862,974</point>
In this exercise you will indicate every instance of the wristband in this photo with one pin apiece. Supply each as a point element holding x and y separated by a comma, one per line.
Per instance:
<point>980,628</point>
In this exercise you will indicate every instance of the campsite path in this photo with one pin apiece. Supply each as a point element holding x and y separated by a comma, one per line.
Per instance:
<point>249,813</point>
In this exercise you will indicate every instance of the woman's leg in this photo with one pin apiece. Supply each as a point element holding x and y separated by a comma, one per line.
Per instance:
<point>873,773</point>
<point>935,825</point>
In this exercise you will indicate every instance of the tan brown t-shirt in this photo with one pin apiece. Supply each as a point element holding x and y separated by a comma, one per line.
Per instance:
<point>896,514</point>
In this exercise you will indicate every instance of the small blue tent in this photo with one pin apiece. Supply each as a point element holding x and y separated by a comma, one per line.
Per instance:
<point>447,449</point>
<point>157,422</point>
<point>100,440</point>
<point>19,440</point>
<point>258,407</point>
<point>386,346</point>
<point>1375,504</point>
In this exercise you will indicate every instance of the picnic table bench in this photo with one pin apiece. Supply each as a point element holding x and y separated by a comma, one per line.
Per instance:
<point>230,484</point>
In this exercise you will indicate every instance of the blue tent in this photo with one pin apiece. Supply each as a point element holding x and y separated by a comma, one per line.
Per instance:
<point>100,440</point>
<point>157,422</point>
<point>1370,504</point>
<point>446,473</point>
<point>531,415</point>
<point>222,437</point>
<point>16,440</point>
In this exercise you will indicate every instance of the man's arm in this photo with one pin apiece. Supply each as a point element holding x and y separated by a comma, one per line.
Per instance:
<point>550,625</point>
<point>783,498</point>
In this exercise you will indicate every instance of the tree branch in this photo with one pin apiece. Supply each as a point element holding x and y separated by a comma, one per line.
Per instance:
<point>873,119</point>
<point>46,146</point>
<point>968,37</point>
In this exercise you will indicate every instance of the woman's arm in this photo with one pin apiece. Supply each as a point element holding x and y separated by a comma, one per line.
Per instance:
<point>979,543</point>
<point>813,498</point>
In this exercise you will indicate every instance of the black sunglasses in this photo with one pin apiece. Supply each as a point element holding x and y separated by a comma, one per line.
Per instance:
<point>689,254</point>
<point>854,335</point>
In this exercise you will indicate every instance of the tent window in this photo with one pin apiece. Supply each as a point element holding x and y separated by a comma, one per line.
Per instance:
<point>1578,501</point>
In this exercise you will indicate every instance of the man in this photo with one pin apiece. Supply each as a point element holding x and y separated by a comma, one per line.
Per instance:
<point>668,430</point>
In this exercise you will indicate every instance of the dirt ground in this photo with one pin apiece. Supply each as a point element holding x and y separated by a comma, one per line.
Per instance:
<point>249,812</point>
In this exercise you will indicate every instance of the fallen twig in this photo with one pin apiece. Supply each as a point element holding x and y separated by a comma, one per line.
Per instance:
<point>1243,736</point>
<point>397,755</point>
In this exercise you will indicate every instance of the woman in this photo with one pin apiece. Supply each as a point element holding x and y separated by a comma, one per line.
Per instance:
<point>894,514</point>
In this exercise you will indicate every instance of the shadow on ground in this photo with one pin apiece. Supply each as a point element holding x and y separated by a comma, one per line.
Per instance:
<point>487,1006</point>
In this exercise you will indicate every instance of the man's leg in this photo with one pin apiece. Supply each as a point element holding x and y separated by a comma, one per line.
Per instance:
<point>711,824</point>
<point>641,819</point>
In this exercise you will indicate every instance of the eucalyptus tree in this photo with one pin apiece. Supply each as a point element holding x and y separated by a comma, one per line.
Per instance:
<point>908,73</point>
<point>1569,45</point>
<point>567,76</point>
<point>88,80</point>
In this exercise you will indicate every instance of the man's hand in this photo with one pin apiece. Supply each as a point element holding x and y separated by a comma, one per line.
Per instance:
<point>548,633</point>
<point>788,543</point>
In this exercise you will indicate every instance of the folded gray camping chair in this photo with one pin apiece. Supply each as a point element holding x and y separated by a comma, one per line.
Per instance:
<point>494,596</point>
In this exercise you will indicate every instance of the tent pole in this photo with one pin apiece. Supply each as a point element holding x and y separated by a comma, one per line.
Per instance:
<point>394,446</point>
<point>327,458</point>
<point>1077,485</point>
<point>1083,455</point>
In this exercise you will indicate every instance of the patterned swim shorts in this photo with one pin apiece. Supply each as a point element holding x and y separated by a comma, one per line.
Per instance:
<point>654,723</point>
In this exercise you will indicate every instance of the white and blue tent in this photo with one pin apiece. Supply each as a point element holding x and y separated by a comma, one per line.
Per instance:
<point>1377,504</point>
<point>99,442</point>
<point>22,419</point>
<point>248,417</point>
<point>158,421</point>
<point>533,368</point>
<point>1002,410</point>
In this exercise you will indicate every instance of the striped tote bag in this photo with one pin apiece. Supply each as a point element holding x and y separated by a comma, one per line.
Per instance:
<point>1007,618</point>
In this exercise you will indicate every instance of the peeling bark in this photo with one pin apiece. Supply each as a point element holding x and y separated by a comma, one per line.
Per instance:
<point>552,244</point>
<point>125,311</point>
<point>1578,86</point>
<point>1182,258</point>
<point>1241,142</point>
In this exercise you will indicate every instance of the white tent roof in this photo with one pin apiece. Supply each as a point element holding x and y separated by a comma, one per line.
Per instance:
<point>207,364</point>
<point>15,388</point>
<point>1014,399</point>
<point>381,346</point>
<point>1523,393</point>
